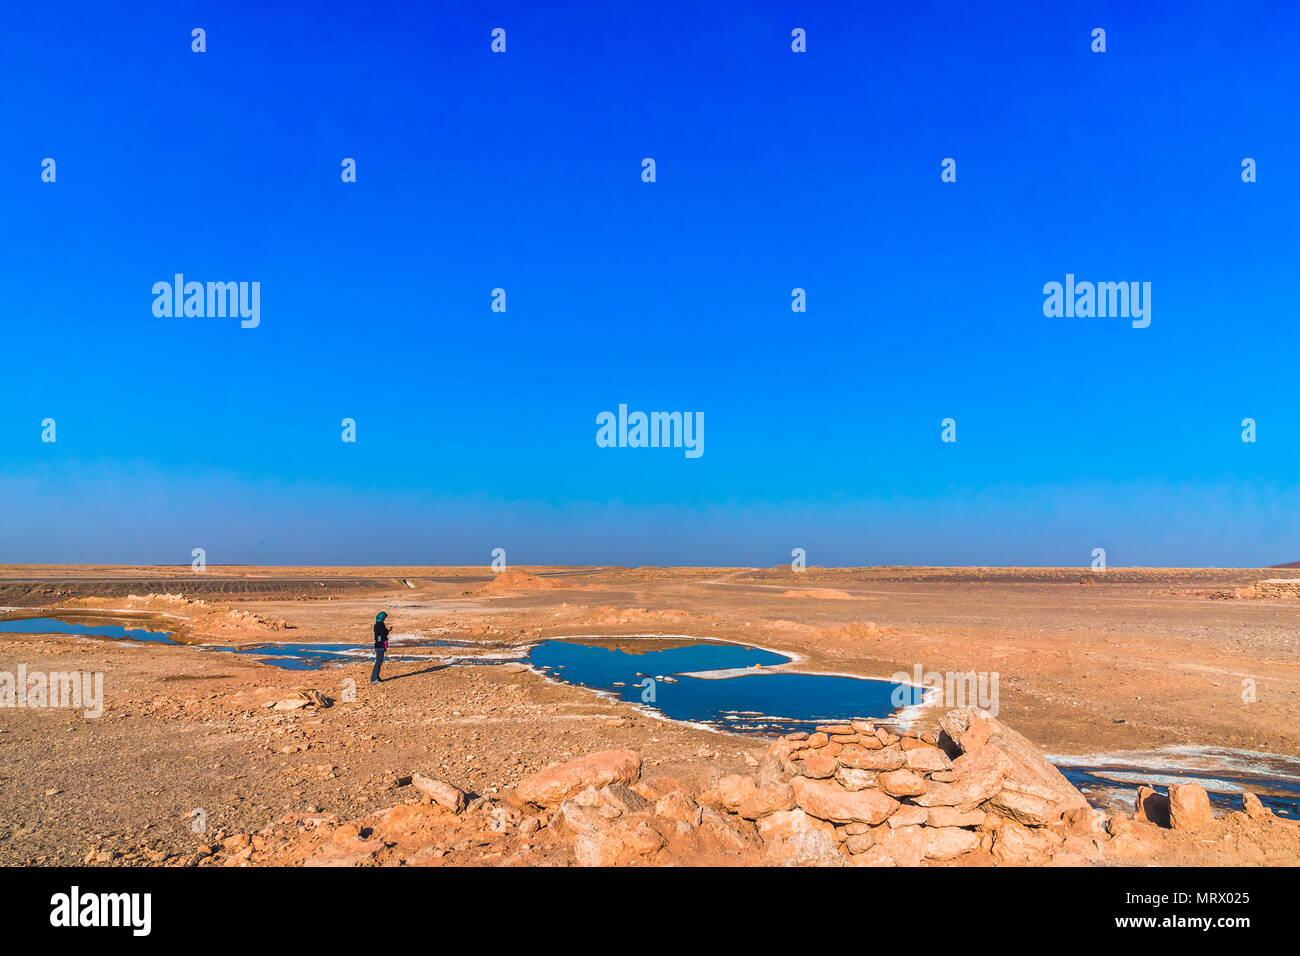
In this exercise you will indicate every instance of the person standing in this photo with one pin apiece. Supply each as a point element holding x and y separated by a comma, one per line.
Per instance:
<point>382,630</point>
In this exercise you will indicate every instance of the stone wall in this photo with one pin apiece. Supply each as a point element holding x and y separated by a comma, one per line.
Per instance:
<point>846,794</point>
<point>1278,588</point>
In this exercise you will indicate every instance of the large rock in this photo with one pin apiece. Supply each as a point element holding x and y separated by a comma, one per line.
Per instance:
<point>927,759</point>
<point>827,800</point>
<point>1033,792</point>
<point>406,823</point>
<point>742,795</point>
<point>851,779</point>
<point>351,851</point>
<point>764,800</point>
<point>980,775</point>
<point>965,730</point>
<point>733,788</point>
<point>618,843</point>
<point>901,783</point>
<point>550,786</point>
<point>678,807</point>
<point>904,845</point>
<point>908,815</point>
<point>947,843</point>
<point>729,834</point>
<point>1016,845</point>
<point>873,760</point>
<point>625,799</point>
<point>574,817</point>
<point>952,817</point>
<point>440,792</point>
<point>819,767</point>
<point>860,843</point>
<point>1254,808</point>
<point>1028,803</point>
<point>1189,807</point>
<point>793,838</point>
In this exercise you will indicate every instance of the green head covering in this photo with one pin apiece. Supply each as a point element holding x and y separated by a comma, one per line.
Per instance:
<point>381,615</point>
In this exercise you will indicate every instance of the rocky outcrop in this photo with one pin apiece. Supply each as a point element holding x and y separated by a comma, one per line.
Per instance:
<point>1189,807</point>
<point>550,786</point>
<point>1033,791</point>
<point>971,793</point>
<point>1254,808</point>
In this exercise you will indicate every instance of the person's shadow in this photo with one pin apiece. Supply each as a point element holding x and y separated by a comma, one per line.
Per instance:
<point>423,670</point>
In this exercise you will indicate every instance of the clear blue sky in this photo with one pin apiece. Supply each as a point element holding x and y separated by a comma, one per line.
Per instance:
<point>775,170</point>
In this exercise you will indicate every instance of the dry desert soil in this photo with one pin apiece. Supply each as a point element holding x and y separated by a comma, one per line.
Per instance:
<point>1125,660</point>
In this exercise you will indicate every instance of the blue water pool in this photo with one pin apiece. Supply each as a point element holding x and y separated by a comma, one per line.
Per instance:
<point>659,673</point>
<point>49,625</point>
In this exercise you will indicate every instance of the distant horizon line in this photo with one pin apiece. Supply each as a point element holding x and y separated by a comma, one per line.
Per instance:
<point>1292,565</point>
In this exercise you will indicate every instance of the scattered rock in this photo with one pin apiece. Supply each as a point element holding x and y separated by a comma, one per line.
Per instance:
<point>624,798</point>
<point>1189,807</point>
<point>1254,808</point>
<point>622,842</point>
<point>443,794</point>
<point>550,786</point>
<point>678,806</point>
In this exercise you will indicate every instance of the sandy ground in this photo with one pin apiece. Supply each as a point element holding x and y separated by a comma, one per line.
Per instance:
<point>1126,660</point>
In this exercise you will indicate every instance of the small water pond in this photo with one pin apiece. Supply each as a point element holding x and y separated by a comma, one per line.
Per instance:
<point>49,625</point>
<point>718,684</point>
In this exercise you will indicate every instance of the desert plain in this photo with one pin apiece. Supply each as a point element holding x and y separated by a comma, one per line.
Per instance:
<point>203,758</point>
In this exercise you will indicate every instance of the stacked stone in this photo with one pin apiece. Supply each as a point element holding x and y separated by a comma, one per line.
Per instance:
<point>851,793</point>
<point>860,791</point>
<point>1278,588</point>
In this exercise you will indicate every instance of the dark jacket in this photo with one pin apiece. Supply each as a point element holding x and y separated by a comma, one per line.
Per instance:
<point>382,631</point>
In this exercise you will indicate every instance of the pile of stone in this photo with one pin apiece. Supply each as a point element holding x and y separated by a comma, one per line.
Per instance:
<point>1278,588</point>
<point>976,789</point>
<point>851,793</point>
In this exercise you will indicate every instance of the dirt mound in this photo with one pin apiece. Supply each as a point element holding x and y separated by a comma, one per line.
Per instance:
<point>517,581</point>
<point>206,619</point>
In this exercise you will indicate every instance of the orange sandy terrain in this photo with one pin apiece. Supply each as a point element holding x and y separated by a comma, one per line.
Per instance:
<point>1129,659</point>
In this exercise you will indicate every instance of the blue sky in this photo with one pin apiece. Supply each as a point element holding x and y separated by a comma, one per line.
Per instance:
<point>775,170</point>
